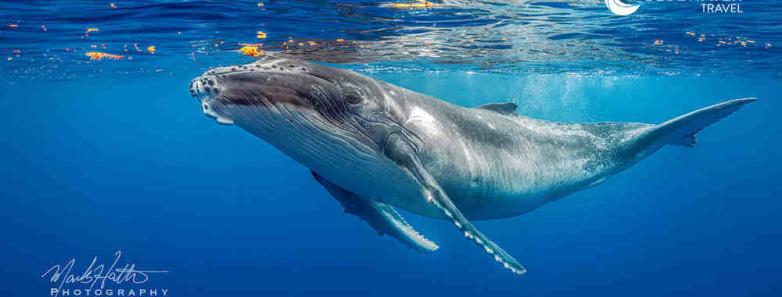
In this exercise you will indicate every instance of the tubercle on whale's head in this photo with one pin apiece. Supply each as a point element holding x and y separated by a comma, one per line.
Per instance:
<point>273,86</point>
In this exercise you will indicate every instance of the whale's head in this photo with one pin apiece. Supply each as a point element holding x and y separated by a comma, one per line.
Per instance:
<point>293,104</point>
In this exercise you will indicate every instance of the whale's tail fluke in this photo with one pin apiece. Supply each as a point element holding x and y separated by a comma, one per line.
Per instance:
<point>681,130</point>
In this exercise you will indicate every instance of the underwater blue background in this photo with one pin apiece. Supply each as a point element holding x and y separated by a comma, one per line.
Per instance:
<point>133,165</point>
<point>98,157</point>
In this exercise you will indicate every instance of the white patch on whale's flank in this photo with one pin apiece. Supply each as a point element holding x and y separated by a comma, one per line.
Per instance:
<point>467,156</point>
<point>421,118</point>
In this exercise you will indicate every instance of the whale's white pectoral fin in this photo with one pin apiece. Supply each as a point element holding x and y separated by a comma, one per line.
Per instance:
<point>401,152</point>
<point>384,218</point>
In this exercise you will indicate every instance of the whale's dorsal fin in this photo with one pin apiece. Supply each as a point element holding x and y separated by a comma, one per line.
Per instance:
<point>399,150</point>
<point>506,108</point>
<point>384,218</point>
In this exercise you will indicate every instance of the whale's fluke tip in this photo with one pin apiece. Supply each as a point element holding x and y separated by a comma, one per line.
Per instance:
<point>741,101</point>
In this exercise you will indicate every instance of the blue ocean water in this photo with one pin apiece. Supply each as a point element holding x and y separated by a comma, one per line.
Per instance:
<point>114,155</point>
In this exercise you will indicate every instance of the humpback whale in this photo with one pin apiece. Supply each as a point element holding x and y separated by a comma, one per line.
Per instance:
<point>376,147</point>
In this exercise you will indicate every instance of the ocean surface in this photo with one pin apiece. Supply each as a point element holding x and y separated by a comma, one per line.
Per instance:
<point>106,153</point>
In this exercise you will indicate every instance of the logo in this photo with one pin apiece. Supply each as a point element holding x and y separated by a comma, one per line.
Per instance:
<point>721,6</point>
<point>99,279</point>
<point>620,8</point>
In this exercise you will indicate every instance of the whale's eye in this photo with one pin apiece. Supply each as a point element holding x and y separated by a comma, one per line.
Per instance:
<point>353,97</point>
